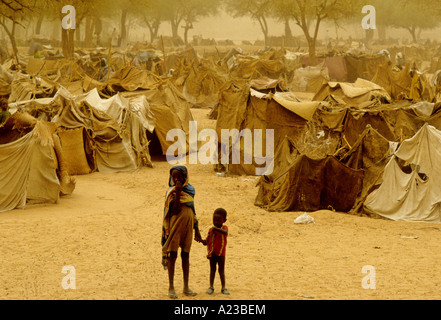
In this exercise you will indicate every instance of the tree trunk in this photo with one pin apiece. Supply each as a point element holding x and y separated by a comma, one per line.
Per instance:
<point>288,32</point>
<point>185,35</point>
<point>11,35</point>
<point>312,51</point>
<point>412,31</point>
<point>88,32</point>
<point>123,25</point>
<point>382,32</point>
<point>67,42</point>
<point>39,23</point>
<point>264,27</point>
<point>174,27</point>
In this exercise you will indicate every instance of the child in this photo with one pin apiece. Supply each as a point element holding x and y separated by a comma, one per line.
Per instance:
<point>216,243</point>
<point>178,225</point>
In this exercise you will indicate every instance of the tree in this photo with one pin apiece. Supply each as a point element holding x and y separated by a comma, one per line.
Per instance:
<point>193,9</point>
<point>151,13</point>
<point>255,9</point>
<point>309,14</point>
<point>415,15</point>
<point>12,12</point>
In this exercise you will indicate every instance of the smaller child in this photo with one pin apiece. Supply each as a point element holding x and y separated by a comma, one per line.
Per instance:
<point>216,243</point>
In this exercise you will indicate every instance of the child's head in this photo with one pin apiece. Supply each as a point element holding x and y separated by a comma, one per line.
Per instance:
<point>178,173</point>
<point>177,176</point>
<point>219,217</point>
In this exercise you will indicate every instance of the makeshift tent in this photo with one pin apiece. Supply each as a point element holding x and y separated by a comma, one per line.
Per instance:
<point>170,109</point>
<point>354,94</point>
<point>410,189</point>
<point>291,175</point>
<point>110,150</point>
<point>364,66</point>
<point>370,153</point>
<point>134,117</point>
<point>200,83</point>
<point>30,158</point>
<point>246,108</point>
<point>247,67</point>
<point>110,133</point>
<point>309,79</point>
<point>314,184</point>
<point>131,78</point>
<point>335,65</point>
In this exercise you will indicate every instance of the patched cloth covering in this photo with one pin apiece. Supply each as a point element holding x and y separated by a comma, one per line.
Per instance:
<point>315,184</point>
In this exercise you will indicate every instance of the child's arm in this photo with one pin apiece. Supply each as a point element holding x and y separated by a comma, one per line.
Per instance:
<point>177,200</point>
<point>224,231</point>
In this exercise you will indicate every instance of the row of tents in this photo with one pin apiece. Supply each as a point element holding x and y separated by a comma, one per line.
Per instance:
<point>334,150</point>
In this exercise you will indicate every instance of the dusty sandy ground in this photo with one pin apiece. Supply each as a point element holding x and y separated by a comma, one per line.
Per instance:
<point>109,230</point>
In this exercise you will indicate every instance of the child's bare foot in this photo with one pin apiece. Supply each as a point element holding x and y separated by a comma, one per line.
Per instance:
<point>225,291</point>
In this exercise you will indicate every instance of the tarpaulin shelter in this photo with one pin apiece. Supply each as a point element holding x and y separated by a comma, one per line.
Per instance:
<point>309,79</point>
<point>31,163</point>
<point>108,135</point>
<point>369,153</point>
<point>245,108</point>
<point>354,94</point>
<point>170,109</point>
<point>200,83</point>
<point>410,188</point>
<point>335,65</point>
<point>311,181</point>
<point>313,184</point>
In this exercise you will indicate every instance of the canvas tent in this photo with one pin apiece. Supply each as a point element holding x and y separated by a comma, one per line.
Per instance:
<point>320,179</point>
<point>97,134</point>
<point>312,184</point>
<point>410,189</point>
<point>354,94</point>
<point>245,108</point>
<point>170,109</point>
<point>31,163</point>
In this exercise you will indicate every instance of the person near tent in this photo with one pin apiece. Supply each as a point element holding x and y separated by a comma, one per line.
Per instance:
<point>216,243</point>
<point>417,86</point>
<point>104,70</point>
<point>179,221</point>
<point>400,60</point>
<point>4,113</point>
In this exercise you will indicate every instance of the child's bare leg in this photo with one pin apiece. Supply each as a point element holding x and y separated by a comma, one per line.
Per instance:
<point>213,263</point>
<point>222,271</point>
<point>222,274</point>
<point>171,272</point>
<point>186,271</point>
